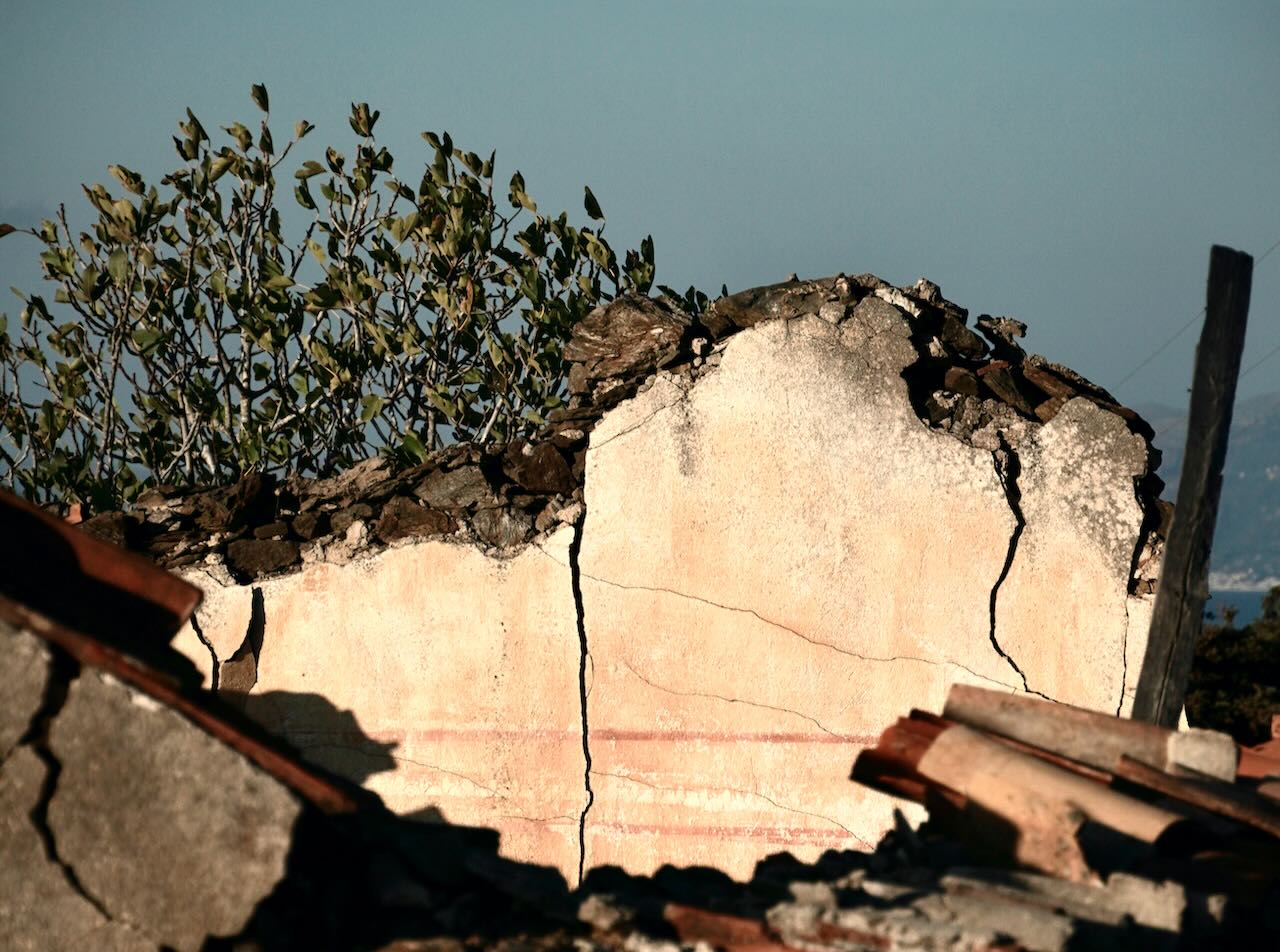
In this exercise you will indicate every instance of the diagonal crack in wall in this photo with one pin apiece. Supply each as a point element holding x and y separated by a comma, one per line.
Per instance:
<point>62,672</point>
<point>584,655</point>
<point>1008,468</point>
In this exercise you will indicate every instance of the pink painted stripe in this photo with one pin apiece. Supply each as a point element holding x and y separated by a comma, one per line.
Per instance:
<point>770,834</point>
<point>615,735</point>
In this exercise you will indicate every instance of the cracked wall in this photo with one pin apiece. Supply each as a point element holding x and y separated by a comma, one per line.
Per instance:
<point>791,516</point>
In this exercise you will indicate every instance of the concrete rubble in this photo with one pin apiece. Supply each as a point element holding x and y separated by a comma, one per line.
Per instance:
<point>749,535</point>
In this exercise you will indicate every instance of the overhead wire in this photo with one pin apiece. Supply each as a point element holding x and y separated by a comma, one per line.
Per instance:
<point>1187,326</point>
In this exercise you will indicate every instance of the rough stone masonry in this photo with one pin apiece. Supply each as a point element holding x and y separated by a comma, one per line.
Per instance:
<point>660,631</point>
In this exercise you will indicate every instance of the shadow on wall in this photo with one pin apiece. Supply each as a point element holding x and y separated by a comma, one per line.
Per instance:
<point>323,733</point>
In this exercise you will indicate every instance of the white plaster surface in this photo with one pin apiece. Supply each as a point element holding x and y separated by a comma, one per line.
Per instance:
<point>775,566</point>
<point>443,678</point>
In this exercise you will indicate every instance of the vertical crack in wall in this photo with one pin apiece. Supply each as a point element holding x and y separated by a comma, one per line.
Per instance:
<point>62,671</point>
<point>1008,469</point>
<point>213,655</point>
<point>584,654</point>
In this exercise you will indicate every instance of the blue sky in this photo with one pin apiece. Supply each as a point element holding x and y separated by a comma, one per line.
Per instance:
<point>1069,165</point>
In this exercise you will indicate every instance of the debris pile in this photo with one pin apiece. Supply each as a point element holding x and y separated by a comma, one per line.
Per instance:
<point>1179,831</point>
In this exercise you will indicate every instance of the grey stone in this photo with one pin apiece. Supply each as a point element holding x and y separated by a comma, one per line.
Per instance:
<point>116,528</point>
<point>24,675</point>
<point>272,530</point>
<point>1003,333</point>
<point>255,557</point>
<point>960,380</point>
<point>341,521</point>
<point>167,827</point>
<point>310,525</point>
<point>40,911</point>
<point>403,517</point>
<point>538,468</point>
<point>500,528</point>
<point>626,337</point>
<point>456,489</point>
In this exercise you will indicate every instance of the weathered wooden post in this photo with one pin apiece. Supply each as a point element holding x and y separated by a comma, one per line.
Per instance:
<point>1184,578</point>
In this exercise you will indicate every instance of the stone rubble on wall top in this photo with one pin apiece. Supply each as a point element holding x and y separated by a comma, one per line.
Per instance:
<point>503,496</point>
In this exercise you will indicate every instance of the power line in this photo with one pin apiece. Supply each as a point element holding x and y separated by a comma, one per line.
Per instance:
<point>1244,373</point>
<point>1187,326</point>
<point>1161,349</point>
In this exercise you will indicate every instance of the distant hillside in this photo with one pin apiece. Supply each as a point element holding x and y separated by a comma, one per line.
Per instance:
<point>1246,548</point>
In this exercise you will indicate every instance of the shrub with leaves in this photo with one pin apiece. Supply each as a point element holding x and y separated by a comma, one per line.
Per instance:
<point>189,341</point>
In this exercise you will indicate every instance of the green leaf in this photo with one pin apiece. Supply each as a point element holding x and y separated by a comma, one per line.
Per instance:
<point>413,446</point>
<point>370,407</point>
<point>218,167</point>
<point>130,180</point>
<point>309,168</point>
<point>242,135</point>
<point>146,338</point>
<point>259,95</point>
<point>118,265</point>
<point>592,206</point>
<point>302,128</point>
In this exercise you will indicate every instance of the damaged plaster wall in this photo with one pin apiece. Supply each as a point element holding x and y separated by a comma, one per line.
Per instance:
<point>661,631</point>
<point>443,678</point>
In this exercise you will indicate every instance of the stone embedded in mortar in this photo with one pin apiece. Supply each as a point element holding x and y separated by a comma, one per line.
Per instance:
<point>501,528</point>
<point>341,520</point>
<point>537,468</point>
<point>248,502</point>
<point>457,489</point>
<point>272,530</point>
<point>251,558</point>
<point>631,335</point>
<point>403,517</point>
<point>310,525</point>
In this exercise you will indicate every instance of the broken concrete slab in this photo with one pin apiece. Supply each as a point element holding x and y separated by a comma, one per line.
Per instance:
<point>443,678</point>
<point>41,909</point>
<point>169,830</point>
<point>24,675</point>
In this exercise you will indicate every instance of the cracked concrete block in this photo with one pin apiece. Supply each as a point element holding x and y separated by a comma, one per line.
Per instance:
<point>24,675</point>
<point>764,586</point>
<point>166,828</point>
<point>40,909</point>
<point>1062,609</point>
<point>219,625</point>
<point>444,679</point>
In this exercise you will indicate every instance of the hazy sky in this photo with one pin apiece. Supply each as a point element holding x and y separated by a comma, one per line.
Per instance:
<point>1069,165</point>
